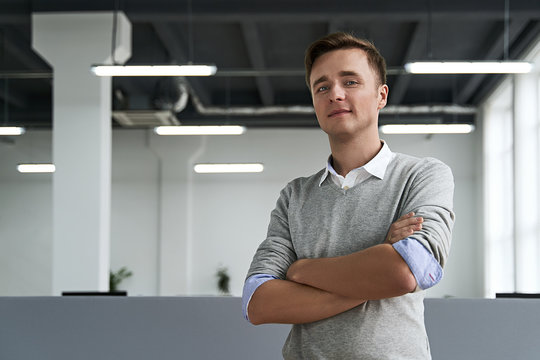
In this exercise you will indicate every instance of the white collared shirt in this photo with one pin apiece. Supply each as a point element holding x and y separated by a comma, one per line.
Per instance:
<point>375,167</point>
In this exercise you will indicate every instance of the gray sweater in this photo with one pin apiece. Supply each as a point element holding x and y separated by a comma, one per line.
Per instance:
<point>312,221</point>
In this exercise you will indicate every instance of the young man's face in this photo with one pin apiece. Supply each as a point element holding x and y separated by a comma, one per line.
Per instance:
<point>346,94</point>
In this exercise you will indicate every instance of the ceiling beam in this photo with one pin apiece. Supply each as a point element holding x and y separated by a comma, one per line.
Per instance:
<point>299,11</point>
<point>355,14</point>
<point>530,37</point>
<point>146,14</point>
<point>334,25</point>
<point>176,51</point>
<point>495,51</point>
<point>416,45</point>
<point>256,57</point>
<point>12,96</point>
<point>15,45</point>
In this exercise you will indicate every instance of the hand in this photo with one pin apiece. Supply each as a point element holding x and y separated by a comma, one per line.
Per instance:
<point>403,227</point>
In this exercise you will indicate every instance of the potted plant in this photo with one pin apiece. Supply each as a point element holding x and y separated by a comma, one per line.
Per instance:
<point>223,280</point>
<point>115,278</point>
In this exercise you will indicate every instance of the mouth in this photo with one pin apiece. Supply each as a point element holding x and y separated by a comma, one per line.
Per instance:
<point>339,112</point>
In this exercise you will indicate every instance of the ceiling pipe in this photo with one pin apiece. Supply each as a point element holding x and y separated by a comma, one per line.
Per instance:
<point>451,109</point>
<point>248,110</point>
<point>308,110</point>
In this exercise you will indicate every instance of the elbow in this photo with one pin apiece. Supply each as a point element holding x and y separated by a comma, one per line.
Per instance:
<point>406,281</point>
<point>256,321</point>
<point>402,279</point>
<point>256,317</point>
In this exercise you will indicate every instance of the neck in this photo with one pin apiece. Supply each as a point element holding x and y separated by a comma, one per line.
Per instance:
<point>353,153</point>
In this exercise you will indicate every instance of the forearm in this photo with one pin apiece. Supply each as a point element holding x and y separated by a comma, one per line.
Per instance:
<point>374,273</point>
<point>287,302</point>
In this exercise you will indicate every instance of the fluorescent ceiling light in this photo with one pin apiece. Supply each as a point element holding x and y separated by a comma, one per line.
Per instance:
<point>36,168</point>
<point>427,129</point>
<point>154,70</point>
<point>468,67</point>
<point>11,130</point>
<point>200,130</point>
<point>228,168</point>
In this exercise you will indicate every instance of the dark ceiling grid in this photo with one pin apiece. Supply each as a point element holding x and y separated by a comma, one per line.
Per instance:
<point>415,46</point>
<point>10,51</point>
<point>254,48</point>
<point>260,37</point>
<point>526,39</point>
<point>177,53</point>
<point>493,50</point>
<point>13,96</point>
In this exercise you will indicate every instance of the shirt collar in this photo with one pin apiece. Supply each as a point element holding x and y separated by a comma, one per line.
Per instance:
<point>376,166</point>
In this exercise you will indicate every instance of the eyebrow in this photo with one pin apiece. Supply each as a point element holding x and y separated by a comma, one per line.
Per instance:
<point>341,74</point>
<point>348,73</point>
<point>319,80</point>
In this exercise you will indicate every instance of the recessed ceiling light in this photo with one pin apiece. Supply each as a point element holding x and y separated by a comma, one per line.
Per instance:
<point>427,128</point>
<point>200,130</point>
<point>468,67</point>
<point>154,70</point>
<point>36,168</point>
<point>228,168</point>
<point>11,130</point>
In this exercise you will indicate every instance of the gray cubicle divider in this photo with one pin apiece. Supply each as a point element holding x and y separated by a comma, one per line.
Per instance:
<point>164,328</point>
<point>483,328</point>
<point>132,328</point>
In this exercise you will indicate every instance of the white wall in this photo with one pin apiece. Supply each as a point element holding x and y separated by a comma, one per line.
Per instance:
<point>174,228</point>
<point>25,217</point>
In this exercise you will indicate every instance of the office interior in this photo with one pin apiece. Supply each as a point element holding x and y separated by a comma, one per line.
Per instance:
<point>137,202</point>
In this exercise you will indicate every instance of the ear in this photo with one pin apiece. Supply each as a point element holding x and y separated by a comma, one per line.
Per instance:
<point>383,96</point>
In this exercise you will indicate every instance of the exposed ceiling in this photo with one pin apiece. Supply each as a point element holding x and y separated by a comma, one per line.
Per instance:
<point>258,47</point>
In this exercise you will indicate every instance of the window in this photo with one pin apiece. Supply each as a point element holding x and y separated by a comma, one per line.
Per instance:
<point>511,125</point>
<point>498,192</point>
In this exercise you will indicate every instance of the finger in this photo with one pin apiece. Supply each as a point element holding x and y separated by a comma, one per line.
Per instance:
<point>403,227</point>
<point>406,216</point>
<point>408,222</point>
<point>411,221</point>
<point>403,233</point>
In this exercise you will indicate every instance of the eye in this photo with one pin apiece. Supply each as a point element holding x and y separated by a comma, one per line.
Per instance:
<point>322,88</point>
<point>351,82</point>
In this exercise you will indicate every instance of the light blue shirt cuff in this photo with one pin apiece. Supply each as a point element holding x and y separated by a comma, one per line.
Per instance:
<point>251,284</point>
<point>425,268</point>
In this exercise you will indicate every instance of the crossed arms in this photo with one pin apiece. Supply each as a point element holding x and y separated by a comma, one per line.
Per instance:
<point>316,289</point>
<point>319,287</point>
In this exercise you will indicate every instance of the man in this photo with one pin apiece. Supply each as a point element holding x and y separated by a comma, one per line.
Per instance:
<point>350,249</point>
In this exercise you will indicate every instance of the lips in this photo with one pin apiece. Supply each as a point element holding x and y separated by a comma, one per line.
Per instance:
<point>339,112</point>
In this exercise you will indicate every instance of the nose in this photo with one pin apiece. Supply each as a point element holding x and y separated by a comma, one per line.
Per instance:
<point>336,94</point>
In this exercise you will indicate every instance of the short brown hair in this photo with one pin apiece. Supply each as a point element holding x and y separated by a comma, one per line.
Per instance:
<point>342,40</point>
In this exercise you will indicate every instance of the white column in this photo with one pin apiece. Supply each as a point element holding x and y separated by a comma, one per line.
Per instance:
<point>526,182</point>
<point>71,43</point>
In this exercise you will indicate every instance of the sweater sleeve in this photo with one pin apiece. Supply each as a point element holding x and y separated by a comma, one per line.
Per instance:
<point>276,253</point>
<point>430,195</point>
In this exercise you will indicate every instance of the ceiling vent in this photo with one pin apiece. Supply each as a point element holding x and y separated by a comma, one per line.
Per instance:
<point>145,118</point>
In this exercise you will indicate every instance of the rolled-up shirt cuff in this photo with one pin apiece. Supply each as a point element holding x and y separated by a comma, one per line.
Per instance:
<point>425,268</point>
<point>251,284</point>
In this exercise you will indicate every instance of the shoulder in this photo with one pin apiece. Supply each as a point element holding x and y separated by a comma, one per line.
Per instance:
<point>415,164</point>
<point>305,183</point>
<point>299,188</point>
<point>421,171</point>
